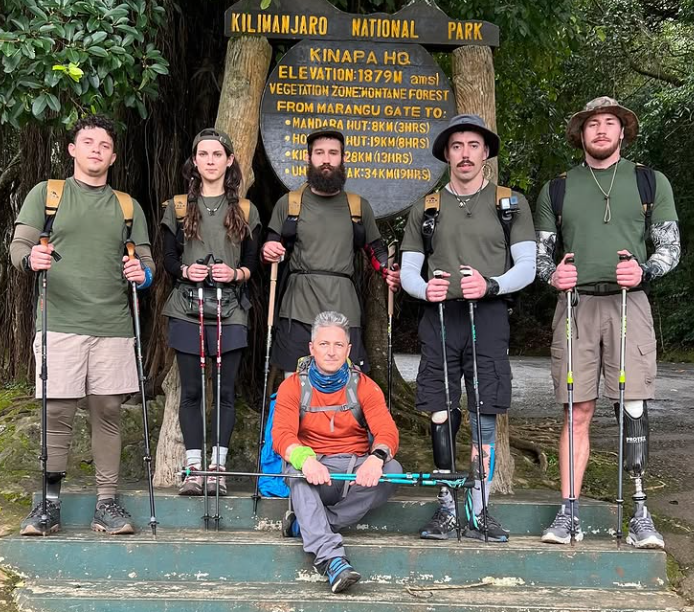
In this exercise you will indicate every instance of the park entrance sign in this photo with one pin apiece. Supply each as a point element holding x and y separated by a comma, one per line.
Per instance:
<point>366,76</point>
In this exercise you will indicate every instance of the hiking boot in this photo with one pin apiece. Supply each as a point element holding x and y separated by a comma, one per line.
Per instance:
<point>559,532</point>
<point>475,528</point>
<point>212,481</point>
<point>192,485</point>
<point>111,518</point>
<point>642,531</point>
<point>441,526</point>
<point>31,525</point>
<point>290,526</point>
<point>341,575</point>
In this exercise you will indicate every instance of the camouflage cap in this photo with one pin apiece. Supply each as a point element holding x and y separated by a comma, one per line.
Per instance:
<point>213,134</point>
<point>603,104</point>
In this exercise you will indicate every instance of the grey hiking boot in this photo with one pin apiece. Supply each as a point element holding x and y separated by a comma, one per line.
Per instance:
<point>441,526</point>
<point>559,532</point>
<point>111,518</point>
<point>212,481</point>
<point>475,528</point>
<point>192,485</point>
<point>642,531</point>
<point>31,525</point>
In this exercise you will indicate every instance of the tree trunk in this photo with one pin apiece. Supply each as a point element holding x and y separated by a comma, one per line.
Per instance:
<point>473,82</point>
<point>246,67</point>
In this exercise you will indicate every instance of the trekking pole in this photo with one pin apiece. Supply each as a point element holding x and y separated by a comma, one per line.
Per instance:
<point>43,239</point>
<point>391,304</point>
<point>622,387</point>
<point>472,304</point>
<point>570,403</point>
<point>218,403</point>
<point>453,480</point>
<point>266,372</point>
<point>130,246</point>
<point>203,399</point>
<point>449,411</point>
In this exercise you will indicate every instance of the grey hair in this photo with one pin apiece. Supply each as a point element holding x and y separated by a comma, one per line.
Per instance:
<point>330,318</point>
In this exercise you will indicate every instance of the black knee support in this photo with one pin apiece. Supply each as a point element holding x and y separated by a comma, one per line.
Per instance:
<point>440,440</point>
<point>635,441</point>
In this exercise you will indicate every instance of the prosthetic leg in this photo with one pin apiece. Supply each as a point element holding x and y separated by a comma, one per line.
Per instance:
<point>642,531</point>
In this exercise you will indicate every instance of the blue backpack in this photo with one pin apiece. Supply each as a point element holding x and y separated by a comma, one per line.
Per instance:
<point>270,461</point>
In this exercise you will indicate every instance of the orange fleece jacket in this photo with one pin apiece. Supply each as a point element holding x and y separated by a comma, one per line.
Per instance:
<point>314,429</point>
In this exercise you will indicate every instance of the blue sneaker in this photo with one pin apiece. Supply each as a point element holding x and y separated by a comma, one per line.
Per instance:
<point>341,574</point>
<point>290,526</point>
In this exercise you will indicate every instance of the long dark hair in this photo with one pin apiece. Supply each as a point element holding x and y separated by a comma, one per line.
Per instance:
<point>237,227</point>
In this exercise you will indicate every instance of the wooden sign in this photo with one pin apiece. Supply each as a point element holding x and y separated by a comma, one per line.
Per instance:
<point>389,101</point>
<point>420,22</point>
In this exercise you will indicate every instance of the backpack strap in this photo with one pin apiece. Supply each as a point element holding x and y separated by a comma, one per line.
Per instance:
<point>557,191</point>
<point>245,206</point>
<point>432,206</point>
<point>126,206</point>
<point>288,231</point>
<point>295,200</point>
<point>359,233</point>
<point>505,216</point>
<point>54,193</point>
<point>180,205</point>
<point>645,180</point>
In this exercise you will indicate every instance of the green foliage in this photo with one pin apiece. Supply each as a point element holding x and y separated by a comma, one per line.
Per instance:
<point>61,58</point>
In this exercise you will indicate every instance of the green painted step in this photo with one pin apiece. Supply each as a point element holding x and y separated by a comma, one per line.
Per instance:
<point>115,596</point>
<point>527,513</point>
<point>264,556</point>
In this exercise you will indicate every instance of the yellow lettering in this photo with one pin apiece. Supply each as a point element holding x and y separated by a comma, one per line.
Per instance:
<point>468,31</point>
<point>478,31</point>
<point>371,59</point>
<point>234,26</point>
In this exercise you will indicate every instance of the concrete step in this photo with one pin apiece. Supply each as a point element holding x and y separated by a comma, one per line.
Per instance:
<point>265,556</point>
<point>527,513</point>
<point>309,596</point>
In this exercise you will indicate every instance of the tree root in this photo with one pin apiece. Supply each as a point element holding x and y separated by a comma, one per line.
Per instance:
<point>532,448</point>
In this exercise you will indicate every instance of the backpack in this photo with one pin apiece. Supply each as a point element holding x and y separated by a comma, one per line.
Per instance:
<point>270,461</point>
<point>645,181</point>
<point>289,226</point>
<point>506,206</point>
<point>54,194</point>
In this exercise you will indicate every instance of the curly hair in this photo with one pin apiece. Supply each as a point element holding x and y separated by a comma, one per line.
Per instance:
<point>94,121</point>
<point>234,221</point>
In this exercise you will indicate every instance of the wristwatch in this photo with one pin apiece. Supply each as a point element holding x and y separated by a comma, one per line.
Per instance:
<point>26,263</point>
<point>380,453</point>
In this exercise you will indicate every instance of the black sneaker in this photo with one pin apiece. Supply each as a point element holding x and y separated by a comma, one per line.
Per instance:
<point>111,518</point>
<point>341,574</point>
<point>290,526</point>
<point>31,525</point>
<point>475,528</point>
<point>441,526</point>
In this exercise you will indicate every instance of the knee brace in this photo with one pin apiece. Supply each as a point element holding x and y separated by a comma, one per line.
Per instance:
<point>440,439</point>
<point>488,427</point>
<point>635,436</point>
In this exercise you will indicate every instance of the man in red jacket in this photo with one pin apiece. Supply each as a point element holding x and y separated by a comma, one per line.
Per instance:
<point>323,417</point>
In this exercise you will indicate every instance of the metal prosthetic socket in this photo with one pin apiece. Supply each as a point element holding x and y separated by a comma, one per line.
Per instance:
<point>635,443</point>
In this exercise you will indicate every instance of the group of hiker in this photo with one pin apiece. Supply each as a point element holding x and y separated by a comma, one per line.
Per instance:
<point>466,250</point>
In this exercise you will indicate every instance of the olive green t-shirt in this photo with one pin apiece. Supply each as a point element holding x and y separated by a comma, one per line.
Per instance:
<point>583,228</point>
<point>87,292</point>
<point>476,239</point>
<point>324,241</point>
<point>213,240</point>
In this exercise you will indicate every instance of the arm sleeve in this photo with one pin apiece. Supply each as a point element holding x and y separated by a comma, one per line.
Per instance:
<point>522,273</point>
<point>172,258</point>
<point>144,252</point>
<point>25,237</point>
<point>546,247</point>
<point>250,249</point>
<point>379,420</point>
<point>285,424</point>
<point>411,275</point>
<point>666,240</point>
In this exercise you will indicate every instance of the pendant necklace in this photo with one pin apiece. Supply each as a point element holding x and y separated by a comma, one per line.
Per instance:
<point>211,211</point>
<point>608,212</point>
<point>463,202</point>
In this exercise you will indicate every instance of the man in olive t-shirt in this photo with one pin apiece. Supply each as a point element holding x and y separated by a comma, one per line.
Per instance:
<point>468,234</point>
<point>602,217</point>
<point>90,346</point>
<point>321,262</point>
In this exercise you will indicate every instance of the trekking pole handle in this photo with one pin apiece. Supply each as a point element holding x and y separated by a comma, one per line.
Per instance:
<point>569,260</point>
<point>624,257</point>
<point>438,273</point>
<point>218,285</point>
<point>44,239</point>
<point>466,271</point>
<point>130,247</point>
<point>391,262</point>
<point>273,288</point>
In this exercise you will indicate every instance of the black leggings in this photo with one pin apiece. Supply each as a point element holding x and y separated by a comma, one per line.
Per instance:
<point>191,394</point>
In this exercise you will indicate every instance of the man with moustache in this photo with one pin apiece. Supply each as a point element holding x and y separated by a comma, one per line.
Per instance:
<point>321,256</point>
<point>603,216</point>
<point>467,233</point>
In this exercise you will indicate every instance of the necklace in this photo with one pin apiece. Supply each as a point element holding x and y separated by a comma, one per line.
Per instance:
<point>463,202</point>
<point>608,212</point>
<point>211,211</point>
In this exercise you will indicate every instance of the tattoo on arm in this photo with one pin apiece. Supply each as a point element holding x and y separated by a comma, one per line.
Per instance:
<point>546,246</point>
<point>666,240</point>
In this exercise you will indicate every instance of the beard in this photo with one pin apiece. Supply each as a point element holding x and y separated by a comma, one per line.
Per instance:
<point>601,154</point>
<point>326,182</point>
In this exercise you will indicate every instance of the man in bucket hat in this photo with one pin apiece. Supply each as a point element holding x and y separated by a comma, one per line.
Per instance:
<point>605,207</point>
<point>463,228</point>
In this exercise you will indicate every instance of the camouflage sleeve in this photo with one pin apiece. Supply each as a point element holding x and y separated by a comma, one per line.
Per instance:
<point>546,246</point>
<point>666,240</point>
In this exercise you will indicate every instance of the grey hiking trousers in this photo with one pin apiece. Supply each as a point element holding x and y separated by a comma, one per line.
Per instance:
<point>322,510</point>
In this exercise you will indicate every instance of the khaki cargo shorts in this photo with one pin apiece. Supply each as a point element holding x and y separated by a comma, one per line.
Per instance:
<point>80,365</point>
<point>596,341</point>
